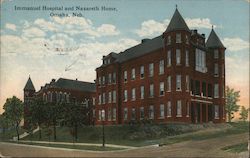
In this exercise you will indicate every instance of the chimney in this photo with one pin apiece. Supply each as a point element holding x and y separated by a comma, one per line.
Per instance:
<point>53,80</point>
<point>203,35</point>
<point>195,31</point>
<point>144,40</point>
<point>76,79</point>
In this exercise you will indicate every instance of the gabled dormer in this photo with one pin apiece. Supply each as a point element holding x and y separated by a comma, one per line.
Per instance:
<point>110,58</point>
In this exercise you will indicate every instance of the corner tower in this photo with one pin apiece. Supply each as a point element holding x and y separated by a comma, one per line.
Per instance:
<point>217,53</point>
<point>29,91</point>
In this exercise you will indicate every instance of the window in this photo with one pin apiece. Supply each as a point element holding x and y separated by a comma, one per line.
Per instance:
<point>178,38</point>
<point>169,84</point>
<point>103,115</point>
<point>100,99</point>
<point>114,114</point>
<point>161,88</point>
<point>162,113</point>
<point>151,90</point>
<point>110,78</point>
<point>216,70</point>
<point>222,70</point>
<point>179,109</point>
<point>216,54</point>
<point>125,95</point>
<point>93,101</point>
<point>103,98</point>
<point>209,90</point>
<point>216,90</point>
<point>186,39</point>
<point>125,113</point>
<point>178,57</point>
<point>216,112</point>
<point>161,67</point>
<point>200,61</point>
<point>110,97</point>
<point>109,114</point>
<point>223,91</point>
<point>114,77</point>
<point>114,96</point>
<point>204,93</point>
<point>169,58</point>
<point>99,80</point>
<point>142,92</point>
<point>169,109</point>
<point>187,83</point>
<point>103,80</point>
<point>133,115</point>
<point>93,113</point>
<point>125,76</point>
<point>133,74</point>
<point>188,109</point>
<point>151,69</point>
<point>169,40</point>
<point>197,87</point>
<point>187,58</point>
<point>142,71</point>
<point>178,82</point>
<point>151,112</point>
<point>133,94</point>
<point>100,115</point>
<point>141,113</point>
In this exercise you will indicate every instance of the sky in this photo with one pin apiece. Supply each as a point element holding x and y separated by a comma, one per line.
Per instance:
<point>30,39</point>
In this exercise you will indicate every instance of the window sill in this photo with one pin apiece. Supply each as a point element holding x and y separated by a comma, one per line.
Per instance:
<point>169,116</point>
<point>161,117</point>
<point>178,90</point>
<point>178,115</point>
<point>216,118</point>
<point>162,95</point>
<point>187,115</point>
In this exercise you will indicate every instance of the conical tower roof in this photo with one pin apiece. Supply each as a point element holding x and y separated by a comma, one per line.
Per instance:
<point>29,85</point>
<point>213,41</point>
<point>177,22</point>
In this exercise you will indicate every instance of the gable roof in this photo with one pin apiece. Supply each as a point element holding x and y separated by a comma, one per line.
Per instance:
<point>75,85</point>
<point>29,85</point>
<point>177,22</point>
<point>213,41</point>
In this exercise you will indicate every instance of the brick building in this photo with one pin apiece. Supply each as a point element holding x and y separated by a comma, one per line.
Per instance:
<point>62,90</point>
<point>175,77</point>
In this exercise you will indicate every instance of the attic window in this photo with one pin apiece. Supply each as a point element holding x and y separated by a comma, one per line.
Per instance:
<point>178,38</point>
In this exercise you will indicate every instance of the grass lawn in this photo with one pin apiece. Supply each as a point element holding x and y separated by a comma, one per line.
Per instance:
<point>9,134</point>
<point>237,128</point>
<point>237,148</point>
<point>81,147</point>
<point>141,135</point>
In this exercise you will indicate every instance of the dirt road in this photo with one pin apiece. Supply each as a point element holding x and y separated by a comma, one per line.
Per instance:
<point>204,148</point>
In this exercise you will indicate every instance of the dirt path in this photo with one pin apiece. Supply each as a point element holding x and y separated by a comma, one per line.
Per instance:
<point>204,148</point>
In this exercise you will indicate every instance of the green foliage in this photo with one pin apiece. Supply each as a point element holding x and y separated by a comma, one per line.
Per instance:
<point>237,148</point>
<point>232,97</point>
<point>13,110</point>
<point>244,113</point>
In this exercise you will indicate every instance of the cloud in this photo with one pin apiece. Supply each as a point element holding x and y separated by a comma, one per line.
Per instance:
<point>235,44</point>
<point>33,32</point>
<point>10,26</point>
<point>107,29</point>
<point>199,23</point>
<point>152,28</point>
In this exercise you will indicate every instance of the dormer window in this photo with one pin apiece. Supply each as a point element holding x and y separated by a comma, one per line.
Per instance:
<point>178,38</point>
<point>186,39</point>
<point>169,40</point>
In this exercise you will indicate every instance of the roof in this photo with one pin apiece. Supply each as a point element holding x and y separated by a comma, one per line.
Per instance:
<point>75,85</point>
<point>213,41</point>
<point>29,85</point>
<point>141,49</point>
<point>177,22</point>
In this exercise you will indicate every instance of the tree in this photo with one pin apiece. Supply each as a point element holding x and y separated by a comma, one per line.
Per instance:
<point>244,113</point>
<point>13,109</point>
<point>37,117</point>
<point>75,115</point>
<point>4,123</point>
<point>232,97</point>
